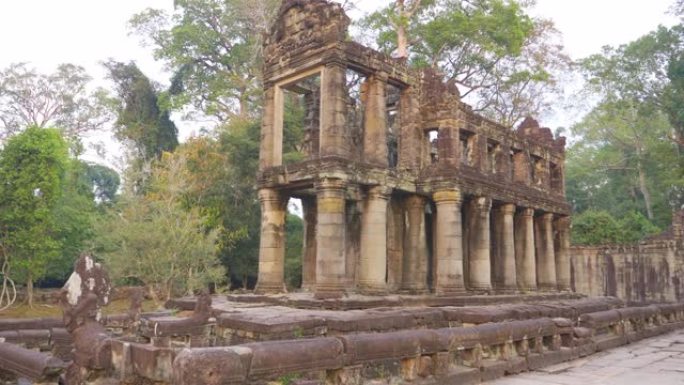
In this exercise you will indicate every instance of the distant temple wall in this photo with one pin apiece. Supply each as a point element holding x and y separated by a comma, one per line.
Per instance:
<point>648,271</point>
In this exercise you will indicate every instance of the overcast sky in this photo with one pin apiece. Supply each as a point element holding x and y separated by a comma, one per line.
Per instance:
<point>85,32</point>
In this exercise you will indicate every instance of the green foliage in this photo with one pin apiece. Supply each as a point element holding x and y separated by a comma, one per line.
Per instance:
<point>214,47</point>
<point>294,231</point>
<point>103,181</point>
<point>33,165</point>
<point>141,120</point>
<point>627,158</point>
<point>293,128</point>
<point>634,226</point>
<point>673,98</point>
<point>59,99</point>
<point>75,213</point>
<point>241,213</point>
<point>594,227</point>
<point>499,55</point>
<point>157,239</point>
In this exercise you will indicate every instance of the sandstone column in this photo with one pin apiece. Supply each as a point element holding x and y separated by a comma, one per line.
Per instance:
<point>271,143</point>
<point>309,248</point>
<point>411,136</point>
<point>395,243</point>
<point>271,278</point>
<point>373,269</point>
<point>562,253</point>
<point>334,137</point>
<point>546,260</point>
<point>330,239</point>
<point>375,122</point>
<point>448,243</point>
<point>479,258</point>
<point>526,266</point>
<point>414,277</point>
<point>449,145</point>
<point>506,248</point>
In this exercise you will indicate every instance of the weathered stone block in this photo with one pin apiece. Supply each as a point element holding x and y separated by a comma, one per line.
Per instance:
<point>396,345</point>
<point>492,370</point>
<point>152,363</point>
<point>39,367</point>
<point>276,358</point>
<point>212,366</point>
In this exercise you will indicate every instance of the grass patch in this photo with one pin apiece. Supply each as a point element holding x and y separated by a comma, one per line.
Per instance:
<point>22,310</point>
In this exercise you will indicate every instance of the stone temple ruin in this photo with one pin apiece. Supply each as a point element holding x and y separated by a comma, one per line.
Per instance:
<point>404,188</point>
<point>406,192</point>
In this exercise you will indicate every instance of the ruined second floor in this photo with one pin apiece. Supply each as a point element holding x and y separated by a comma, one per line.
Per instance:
<point>351,105</point>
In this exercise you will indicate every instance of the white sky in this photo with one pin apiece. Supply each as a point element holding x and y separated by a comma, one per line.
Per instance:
<point>86,32</point>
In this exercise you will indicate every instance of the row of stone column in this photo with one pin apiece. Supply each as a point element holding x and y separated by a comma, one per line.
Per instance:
<point>508,249</point>
<point>527,254</point>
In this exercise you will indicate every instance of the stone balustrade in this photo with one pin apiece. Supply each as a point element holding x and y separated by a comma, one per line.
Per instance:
<point>434,345</point>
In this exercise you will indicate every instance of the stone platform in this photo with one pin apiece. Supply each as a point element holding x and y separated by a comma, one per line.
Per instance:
<point>254,343</point>
<point>357,301</point>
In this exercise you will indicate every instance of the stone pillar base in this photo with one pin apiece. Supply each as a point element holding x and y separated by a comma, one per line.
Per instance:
<point>506,290</point>
<point>414,291</point>
<point>371,289</point>
<point>547,288</point>
<point>529,289</point>
<point>476,287</point>
<point>329,292</point>
<point>453,291</point>
<point>269,288</point>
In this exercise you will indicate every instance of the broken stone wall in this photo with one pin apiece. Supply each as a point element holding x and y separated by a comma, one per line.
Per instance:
<point>645,272</point>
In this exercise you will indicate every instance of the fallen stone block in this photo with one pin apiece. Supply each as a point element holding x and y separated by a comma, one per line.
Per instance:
<point>36,366</point>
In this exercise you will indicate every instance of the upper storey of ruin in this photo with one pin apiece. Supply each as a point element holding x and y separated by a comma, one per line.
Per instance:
<point>371,120</point>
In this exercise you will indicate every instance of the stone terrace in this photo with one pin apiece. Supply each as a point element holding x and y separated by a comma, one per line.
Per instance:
<point>250,343</point>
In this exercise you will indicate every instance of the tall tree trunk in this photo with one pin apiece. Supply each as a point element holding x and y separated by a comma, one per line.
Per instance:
<point>404,14</point>
<point>153,295</point>
<point>29,290</point>
<point>644,190</point>
<point>402,42</point>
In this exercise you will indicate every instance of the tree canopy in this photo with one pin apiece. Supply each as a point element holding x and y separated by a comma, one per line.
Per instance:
<point>33,166</point>
<point>504,61</point>
<point>627,156</point>
<point>60,99</point>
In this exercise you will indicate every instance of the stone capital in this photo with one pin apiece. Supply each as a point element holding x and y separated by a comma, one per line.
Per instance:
<point>415,201</point>
<point>563,222</point>
<point>380,76</point>
<point>527,212</point>
<point>268,195</point>
<point>452,195</point>
<point>379,192</point>
<point>330,184</point>
<point>507,209</point>
<point>482,203</point>
<point>547,217</point>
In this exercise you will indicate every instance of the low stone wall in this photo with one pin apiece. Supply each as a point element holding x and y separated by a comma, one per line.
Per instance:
<point>448,345</point>
<point>458,355</point>
<point>275,323</point>
<point>649,271</point>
